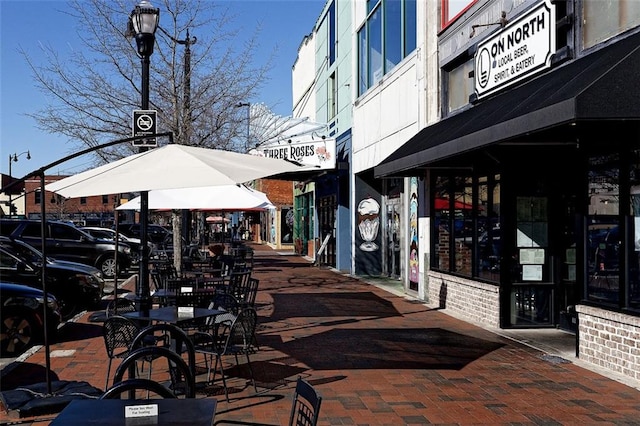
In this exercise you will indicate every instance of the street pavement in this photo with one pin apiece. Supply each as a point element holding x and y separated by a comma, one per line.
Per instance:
<point>376,357</point>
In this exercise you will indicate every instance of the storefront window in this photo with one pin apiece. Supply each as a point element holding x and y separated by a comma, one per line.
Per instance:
<point>634,232</point>
<point>489,228</point>
<point>467,231</point>
<point>603,221</point>
<point>604,19</point>
<point>463,225</point>
<point>441,224</point>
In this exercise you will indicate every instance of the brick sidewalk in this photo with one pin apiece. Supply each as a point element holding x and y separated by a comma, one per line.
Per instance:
<point>376,358</point>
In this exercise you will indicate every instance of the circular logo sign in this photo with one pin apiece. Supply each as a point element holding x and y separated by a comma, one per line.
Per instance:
<point>483,67</point>
<point>145,122</point>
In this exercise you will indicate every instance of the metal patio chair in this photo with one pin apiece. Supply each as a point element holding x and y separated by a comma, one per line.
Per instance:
<point>306,404</point>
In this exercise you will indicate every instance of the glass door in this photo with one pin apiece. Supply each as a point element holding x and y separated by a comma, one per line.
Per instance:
<point>532,289</point>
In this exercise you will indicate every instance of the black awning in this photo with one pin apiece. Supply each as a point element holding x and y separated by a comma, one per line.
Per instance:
<point>603,85</point>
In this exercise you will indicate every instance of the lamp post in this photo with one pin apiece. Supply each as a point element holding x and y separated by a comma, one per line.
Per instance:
<point>248,105</point>
<point>14,159</point>
<point>143,23</point>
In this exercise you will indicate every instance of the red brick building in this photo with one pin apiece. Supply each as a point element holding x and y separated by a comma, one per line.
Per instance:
<point>96,210</point>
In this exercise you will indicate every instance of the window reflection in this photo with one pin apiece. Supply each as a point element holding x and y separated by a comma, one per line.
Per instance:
<point>467,232</point>
<point>603,247</point>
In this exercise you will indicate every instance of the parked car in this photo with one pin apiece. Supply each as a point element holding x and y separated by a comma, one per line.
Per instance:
<point>110,234</point>
<point>75,285</point>
<point>66,242</point>
<point>157,234</point>
<point>22,318</point>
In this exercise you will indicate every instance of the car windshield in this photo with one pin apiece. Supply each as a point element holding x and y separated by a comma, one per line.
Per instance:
<point>28,253</point>
<point>99,233</point>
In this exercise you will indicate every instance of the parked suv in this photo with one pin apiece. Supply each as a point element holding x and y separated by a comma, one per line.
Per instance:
<point>75,285</point>
<point>110,234</point>
<point>66,242</point>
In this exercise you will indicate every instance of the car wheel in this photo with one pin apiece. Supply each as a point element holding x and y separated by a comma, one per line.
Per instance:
<point>108,266</point>
<point>68,308</point>
<point>18,331</point>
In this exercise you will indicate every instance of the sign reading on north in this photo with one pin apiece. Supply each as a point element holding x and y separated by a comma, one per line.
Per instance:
<point>144,123</point>
<point>522,48</point>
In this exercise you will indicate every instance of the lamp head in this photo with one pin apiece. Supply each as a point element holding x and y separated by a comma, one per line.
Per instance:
<point>143,23</point>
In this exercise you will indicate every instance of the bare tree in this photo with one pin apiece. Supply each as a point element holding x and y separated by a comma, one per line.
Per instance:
<point>196,83</point>
<point>198,79</point>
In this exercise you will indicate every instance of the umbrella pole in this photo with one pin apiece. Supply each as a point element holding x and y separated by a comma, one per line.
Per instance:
<point>143,296</point>
<point>43,229</point>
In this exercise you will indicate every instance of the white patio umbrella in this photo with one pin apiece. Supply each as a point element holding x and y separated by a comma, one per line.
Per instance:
<point>223,197</point>
<point>172,166</point>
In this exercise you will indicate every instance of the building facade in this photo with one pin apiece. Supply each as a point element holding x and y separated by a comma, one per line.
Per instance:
<point>531,171</point>
<point>322,80</point>
<point>494,162</point>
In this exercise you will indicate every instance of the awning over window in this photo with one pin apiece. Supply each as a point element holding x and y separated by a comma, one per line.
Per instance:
<point>603,85</point>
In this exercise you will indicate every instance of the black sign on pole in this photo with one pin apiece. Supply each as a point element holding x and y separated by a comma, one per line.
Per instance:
<point>144,123</point>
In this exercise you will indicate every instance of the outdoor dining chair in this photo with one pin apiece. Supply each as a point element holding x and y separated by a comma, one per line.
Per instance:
<point>118,332</point>
<point>248,294</point>
<point>168,336</point>
<point>130,386</point>
<point>306,404</point>
<point>119,306</point>
<point>181,378</point>
<point>230,338</point>
<point>237,284</point>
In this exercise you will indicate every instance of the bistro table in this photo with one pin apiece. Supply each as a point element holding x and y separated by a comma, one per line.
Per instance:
<point>172,314</point>
<point>111,412</point>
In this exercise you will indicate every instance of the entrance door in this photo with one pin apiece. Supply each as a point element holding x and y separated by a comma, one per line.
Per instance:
<point>532,286</point>
<point>542,280</point>
<point>393,237</point>
<point>327,207</point>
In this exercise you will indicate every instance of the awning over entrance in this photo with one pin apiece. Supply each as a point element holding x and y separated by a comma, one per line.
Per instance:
<point>603,85</point>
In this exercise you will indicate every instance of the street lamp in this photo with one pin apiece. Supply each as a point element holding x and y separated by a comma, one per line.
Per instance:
<point>143,23</point>
<point>248,105</point>
<point>14,159</point>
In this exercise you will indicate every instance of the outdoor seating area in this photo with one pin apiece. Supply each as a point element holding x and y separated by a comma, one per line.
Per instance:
<point>207,310</point>
<point>370,357</point>
<point>200,280</point>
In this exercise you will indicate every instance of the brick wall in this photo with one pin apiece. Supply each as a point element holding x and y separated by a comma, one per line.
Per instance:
<point>279,192</point>
<point>610,340</point>
<point>469,300</point>
<point>62,206</point>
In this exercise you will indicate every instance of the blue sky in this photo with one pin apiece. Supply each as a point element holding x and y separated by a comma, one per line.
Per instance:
<point>25,24</point>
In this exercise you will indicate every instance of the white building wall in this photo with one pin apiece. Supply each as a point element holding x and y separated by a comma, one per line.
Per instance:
<point>303,79</point>
<point>386,116</point>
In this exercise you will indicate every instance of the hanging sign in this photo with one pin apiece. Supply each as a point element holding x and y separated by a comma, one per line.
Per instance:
<point>321,153</point>
<point>522,48</point>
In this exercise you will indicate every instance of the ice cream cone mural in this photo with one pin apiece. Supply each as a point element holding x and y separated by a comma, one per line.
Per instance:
<point>368,223</point>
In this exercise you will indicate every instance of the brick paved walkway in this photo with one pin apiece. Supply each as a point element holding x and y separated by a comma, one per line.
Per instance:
<point>376,358</point>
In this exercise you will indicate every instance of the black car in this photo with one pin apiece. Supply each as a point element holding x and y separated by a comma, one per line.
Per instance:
<point>155,233</point>
<point>75,285</point>
<point>66,242</point>
<point>22,318</point>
